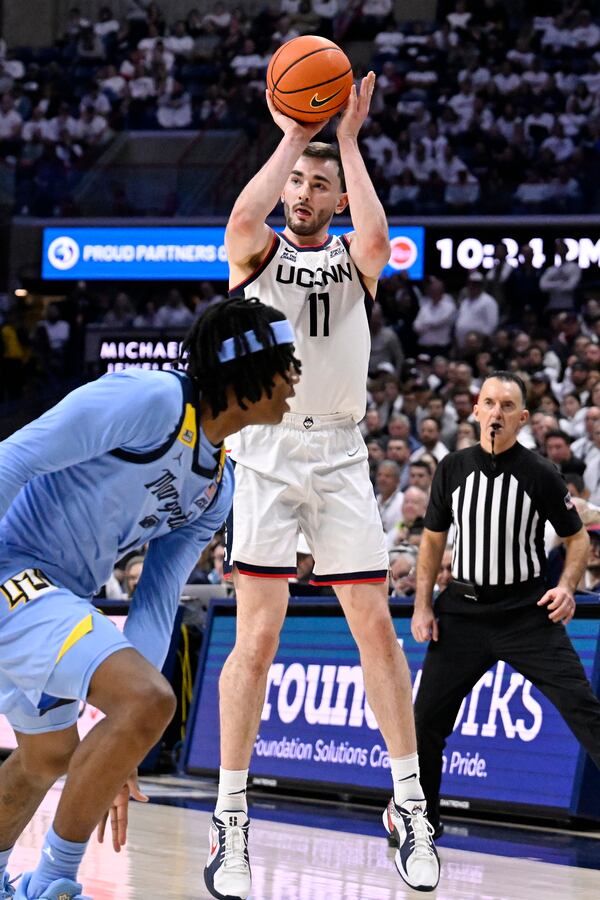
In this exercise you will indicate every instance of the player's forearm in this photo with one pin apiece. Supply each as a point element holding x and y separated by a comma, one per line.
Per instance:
<point>576,560</point>
<point>366,211</point>
<point>431,551</point>
<point>263,191</point>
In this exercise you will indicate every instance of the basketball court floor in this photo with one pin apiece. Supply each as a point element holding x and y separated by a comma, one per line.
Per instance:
<point>302,851</point>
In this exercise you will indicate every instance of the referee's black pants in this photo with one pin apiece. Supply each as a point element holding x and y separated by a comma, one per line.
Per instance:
<point>467,647</point>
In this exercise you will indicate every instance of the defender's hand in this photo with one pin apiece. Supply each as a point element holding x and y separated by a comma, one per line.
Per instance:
<point>306,130</point>
<point>119,813</point>
<point>356,109</point>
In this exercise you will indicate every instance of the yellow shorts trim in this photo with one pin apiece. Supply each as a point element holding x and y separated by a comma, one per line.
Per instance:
<point>81,629</point>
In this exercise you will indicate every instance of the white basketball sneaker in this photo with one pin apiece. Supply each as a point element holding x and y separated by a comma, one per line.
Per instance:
<point>416,858</point>
<point>227,872</point>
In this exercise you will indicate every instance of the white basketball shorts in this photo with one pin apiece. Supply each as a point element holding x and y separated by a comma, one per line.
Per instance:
<point>308,474</point>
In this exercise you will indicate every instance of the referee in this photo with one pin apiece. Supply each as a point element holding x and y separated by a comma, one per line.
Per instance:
<point>498,495</point>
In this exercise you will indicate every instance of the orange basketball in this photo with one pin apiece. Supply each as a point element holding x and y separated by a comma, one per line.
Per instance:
<point>310,78</point>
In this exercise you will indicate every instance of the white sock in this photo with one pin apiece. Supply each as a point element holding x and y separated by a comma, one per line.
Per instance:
<point>232,790</point>
<point>405,775</point>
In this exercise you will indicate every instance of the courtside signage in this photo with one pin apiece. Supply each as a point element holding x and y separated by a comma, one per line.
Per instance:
<point>181,254</point>
<point>509,744</point>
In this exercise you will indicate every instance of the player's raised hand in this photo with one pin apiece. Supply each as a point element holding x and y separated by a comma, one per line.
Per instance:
<point>119,813</point>
<point>357,108</point>
<point>305,129</point>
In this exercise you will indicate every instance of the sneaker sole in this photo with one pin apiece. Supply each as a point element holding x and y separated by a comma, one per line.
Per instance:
<point>214,893</point>
<point>392,836</point>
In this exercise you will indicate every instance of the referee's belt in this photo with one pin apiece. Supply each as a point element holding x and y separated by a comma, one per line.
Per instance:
<point>492,593</point>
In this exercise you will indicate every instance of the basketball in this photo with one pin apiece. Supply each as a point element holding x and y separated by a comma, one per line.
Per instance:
<point>310,78</point>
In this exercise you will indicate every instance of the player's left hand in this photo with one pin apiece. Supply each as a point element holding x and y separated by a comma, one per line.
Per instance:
<point>119,813</point>
<point>356,109</point>
<point>561,604</point>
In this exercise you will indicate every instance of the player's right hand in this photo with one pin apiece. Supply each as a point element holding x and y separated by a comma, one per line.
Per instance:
<point>119,813</point>
<point>424,625</point>
<point>305,129</point>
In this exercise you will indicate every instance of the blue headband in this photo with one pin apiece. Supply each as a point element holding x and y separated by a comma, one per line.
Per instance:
<point>282,332</point>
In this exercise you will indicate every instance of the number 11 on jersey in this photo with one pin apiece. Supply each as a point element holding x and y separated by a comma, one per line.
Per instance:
<point>313,306</point>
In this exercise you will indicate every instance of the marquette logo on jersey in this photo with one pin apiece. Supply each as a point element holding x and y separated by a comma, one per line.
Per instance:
<point>404,253</point>
<point>24,586</point>
<point>164,490</point>
<point>63,253</point>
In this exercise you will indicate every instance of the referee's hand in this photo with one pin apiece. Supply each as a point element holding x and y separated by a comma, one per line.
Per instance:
<point>561,604</point>
<point>424,625</point>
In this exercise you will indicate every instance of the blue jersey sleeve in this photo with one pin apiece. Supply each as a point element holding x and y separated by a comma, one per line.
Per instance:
<point>135,410</point>
<point>167,566</point>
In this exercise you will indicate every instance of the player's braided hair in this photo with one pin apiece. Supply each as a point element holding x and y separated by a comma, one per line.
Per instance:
<point>250,374</point>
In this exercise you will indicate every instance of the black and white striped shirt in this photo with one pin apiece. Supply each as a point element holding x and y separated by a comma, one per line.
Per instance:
<point>499,513</point>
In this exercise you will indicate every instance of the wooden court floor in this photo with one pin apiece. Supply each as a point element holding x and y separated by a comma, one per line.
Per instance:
<point>167,846</point>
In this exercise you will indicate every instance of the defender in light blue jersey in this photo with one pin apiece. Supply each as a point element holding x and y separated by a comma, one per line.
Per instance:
<point>134,457</point>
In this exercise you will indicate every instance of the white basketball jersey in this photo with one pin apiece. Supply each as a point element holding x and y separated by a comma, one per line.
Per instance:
<point>321,292</point>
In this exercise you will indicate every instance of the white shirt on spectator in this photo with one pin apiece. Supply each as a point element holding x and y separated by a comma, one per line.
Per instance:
<point>448,169</point>
<point>58,333</point>
<point>59,124</point>
<point>327,9</point>
<point>389,41</point>
<point>91,131</point>
<point>174,317</point>
<point>479,314</point>
<point>463,104</point>
<point>506,127</point>
<point>377,7</point>
<point>180,45</point>
<point>533,192</point>
<point>100,102</point>
<point>559,282</point>
<point>478,78</point>
<point>439,452</point>
<point>142,87</point>
<point>390,510</point>
<point>542,120</point>
<point>462,194</point>
<point>115,84</point>
<point>458,19</point>
<point>243,62</point>
<point>435,147</point>
<point>536,80</point>
<point>376,144</point>
<point>586,36</point>
<point>434,321</point>
<point>566,82</point>
<point>10,124</point>
<point>561,148</point>
<point>104,28</point>
<point>506,84</point>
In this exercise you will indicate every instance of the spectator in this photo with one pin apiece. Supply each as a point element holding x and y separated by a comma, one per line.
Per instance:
<point>557,447</point>
<point>560,281</point>
<point>389,495</point>
<point>403,571</point>
<point>420,475</point>
<point>477,308</point>
<point>430,437</point>
<point>398,451</point>
<point>445,574</point>
<point>133,572</point>
<point>413,513</point>
<point>385,345</point>
<point>174,314</point>
<point>435,319</point>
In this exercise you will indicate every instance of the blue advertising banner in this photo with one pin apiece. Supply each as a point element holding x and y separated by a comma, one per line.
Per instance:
<point>509,743</point>
<point>177,254</point>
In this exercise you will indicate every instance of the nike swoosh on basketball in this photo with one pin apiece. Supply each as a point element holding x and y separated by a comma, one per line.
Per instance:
<point>316,103</point>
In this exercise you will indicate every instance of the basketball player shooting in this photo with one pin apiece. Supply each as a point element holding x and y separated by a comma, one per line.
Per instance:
<point>310,473</point>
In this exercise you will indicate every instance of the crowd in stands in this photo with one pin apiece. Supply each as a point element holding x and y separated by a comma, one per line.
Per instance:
<point>493,107</point>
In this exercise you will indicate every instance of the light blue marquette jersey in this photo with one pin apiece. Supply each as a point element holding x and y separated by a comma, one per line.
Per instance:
<point>119,462</point>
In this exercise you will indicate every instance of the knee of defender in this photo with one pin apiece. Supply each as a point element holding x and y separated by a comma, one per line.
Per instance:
<point>47,766</point>
<point>152,708</point>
